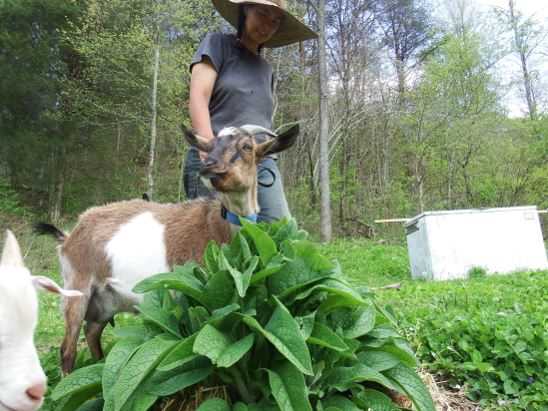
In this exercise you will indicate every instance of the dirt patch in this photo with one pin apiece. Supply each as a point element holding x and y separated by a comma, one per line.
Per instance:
<point>445,399</point>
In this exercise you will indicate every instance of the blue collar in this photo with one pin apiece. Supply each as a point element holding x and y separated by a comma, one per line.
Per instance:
<point>235,218</point>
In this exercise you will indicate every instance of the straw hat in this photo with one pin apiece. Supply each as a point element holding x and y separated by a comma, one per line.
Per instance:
<point>291,30</point>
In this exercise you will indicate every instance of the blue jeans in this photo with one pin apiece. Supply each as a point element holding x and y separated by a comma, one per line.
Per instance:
<point>271,197</point>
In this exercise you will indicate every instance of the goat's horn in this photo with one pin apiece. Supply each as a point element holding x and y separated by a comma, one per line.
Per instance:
<point>254,129</point>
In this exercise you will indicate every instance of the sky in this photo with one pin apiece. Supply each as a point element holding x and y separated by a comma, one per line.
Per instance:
<point>509,68</point>
<point>527,7</point>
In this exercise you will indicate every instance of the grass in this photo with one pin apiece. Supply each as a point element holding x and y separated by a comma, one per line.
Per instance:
<point>436,317</point>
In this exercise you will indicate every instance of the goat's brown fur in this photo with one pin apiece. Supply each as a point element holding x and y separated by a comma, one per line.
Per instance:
<point>199,216</point>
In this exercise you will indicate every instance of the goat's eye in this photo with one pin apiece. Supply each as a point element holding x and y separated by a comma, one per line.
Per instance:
<point>247,147</point>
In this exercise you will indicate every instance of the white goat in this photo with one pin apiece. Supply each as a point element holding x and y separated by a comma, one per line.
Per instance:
<point>115,246</point>
<point>22,380</point>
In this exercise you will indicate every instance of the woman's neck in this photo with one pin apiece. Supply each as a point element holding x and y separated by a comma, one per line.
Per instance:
<point>249,44</point>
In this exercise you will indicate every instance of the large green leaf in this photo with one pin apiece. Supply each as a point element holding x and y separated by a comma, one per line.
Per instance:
<point>363,321</point>
<point>283,332</point>
<point>331,286</point>
<point>87,379</point>
<point>375,400</point>
<point>289,388</point>
<point>286,230</point>
<point>275,265</point>
<point>399,348</point>
<point>378,360</point>
<point>305,268</point>
<point>183,281</point>
<point>137,369</point>
<point>413,386</point>
<point>78,399</point>
<point>140,401</point>
<point>384,331</point>
<point>238,250</point>
<point>342,378</point>
<point>197,316</point>
<point>339,402</point>
<point>324,336</point>
<point>240,406</point>
<point>116,359</point>
<point>265,246</point>
<point>241,280</point>
<point>131,332</point>
<point>167,383</point>
<point>181,354</point>
<point>306,324</point>
<point>219,290</point>
<point>92,405</point>
<point>159,316</point>
<point>217,316</point>
<point>340,295</point>
<point>214,404</point>
<point>220,348</point>
<point>211,256</point>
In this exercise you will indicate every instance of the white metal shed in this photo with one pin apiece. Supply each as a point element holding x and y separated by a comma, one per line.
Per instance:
<point>445,245</point>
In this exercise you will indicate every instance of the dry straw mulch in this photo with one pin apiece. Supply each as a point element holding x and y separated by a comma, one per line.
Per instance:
<point>447,400</point>
<point>191,399</point>
<point>444,399</point>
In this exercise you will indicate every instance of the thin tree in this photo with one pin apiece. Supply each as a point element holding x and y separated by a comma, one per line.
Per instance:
<point>521,31</point>
<point>325,191</point>
<point>153,133</point>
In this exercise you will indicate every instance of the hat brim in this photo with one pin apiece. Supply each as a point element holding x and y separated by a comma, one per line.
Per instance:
<point>291,29</point>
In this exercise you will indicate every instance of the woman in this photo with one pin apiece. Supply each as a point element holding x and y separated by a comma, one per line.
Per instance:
<point>231,85</point>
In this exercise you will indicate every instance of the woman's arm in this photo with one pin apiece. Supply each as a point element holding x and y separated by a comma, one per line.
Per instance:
<point>202,81</point>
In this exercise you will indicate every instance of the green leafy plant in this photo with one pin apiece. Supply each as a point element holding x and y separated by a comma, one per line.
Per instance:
<point>488,334</point>
<point>269,317</point>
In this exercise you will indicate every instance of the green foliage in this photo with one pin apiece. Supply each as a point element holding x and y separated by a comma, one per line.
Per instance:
<point>10,202</point>
<point>269,316</point>
<point>488,333</point>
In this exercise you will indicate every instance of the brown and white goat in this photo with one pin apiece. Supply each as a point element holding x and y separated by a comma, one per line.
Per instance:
<point>22,380</point>
<point>115,246</point>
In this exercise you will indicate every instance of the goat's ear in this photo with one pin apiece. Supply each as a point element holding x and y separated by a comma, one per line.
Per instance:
<point>11,255</point>
<point>280,143</point>
<point>195,140</point>
<point>47,284</point>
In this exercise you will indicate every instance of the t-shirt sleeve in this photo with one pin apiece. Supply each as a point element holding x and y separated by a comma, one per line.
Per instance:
<point>212,48</point>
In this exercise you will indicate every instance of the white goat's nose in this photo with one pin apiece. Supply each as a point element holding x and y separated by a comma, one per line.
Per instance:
<point>37,391</point>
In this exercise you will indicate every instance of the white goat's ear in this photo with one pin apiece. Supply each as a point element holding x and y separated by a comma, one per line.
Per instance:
<point>47,284</point>
<point>195,140</point>
<point>11,255</point>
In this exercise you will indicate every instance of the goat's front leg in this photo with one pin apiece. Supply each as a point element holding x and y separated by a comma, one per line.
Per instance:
<point>93,331</point>
<point>74,311</point>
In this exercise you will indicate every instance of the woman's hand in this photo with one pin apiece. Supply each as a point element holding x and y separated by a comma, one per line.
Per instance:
<point>202,82</point>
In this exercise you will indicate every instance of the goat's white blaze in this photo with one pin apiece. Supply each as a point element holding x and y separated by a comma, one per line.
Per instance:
<point>227,131</point>
<point>19,365</point>
<point>137,250</point>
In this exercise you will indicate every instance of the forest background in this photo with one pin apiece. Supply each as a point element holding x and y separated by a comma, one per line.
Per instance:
<point>93,94</point>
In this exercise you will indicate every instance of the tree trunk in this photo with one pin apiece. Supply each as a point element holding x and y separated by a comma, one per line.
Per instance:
<point>152,152</point>
<point>57,183</point>
<point>325,194</point>
<point>520,47</point>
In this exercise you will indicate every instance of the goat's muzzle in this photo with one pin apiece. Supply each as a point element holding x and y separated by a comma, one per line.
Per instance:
<point>214,173</point>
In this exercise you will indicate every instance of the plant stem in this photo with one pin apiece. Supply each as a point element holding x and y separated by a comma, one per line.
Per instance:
<point>241,386</point>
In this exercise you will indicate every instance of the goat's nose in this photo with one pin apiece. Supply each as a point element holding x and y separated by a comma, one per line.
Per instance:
<point>37,391</point>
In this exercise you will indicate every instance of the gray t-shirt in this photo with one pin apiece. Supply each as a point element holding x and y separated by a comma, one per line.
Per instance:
<point>243,91</point>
